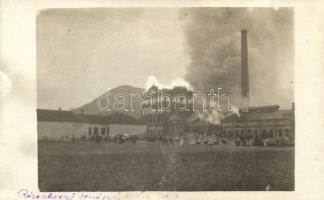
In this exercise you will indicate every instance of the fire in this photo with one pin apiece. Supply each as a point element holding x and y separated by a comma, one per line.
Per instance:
<point>215,116</point>
<point>152,80</point>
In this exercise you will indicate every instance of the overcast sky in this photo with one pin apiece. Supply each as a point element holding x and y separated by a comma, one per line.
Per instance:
<point>83,52</point>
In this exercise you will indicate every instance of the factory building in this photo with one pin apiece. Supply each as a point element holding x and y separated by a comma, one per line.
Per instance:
<point>260,122</point>
<point>155,122</point>
<point>177,124</point>
<point>66,125</point>
<point>165,122</point>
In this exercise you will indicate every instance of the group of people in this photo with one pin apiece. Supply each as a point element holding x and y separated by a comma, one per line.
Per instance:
<point>124,138</point>
<point>244,141</point>
<point>181,140</point>
<point>193,140</point>
<point>118,139</point>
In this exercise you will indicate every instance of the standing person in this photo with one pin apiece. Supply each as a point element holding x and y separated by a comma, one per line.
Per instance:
<point>237,141</point>
<point>134,139</point>
<point>216,140</point>
<point>205,140</point>
<point>181,142</point>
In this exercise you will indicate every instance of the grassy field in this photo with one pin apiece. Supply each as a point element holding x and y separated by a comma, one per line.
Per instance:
<point>155,167</point>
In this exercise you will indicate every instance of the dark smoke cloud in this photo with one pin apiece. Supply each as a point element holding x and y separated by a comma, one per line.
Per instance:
<point>213,39</point>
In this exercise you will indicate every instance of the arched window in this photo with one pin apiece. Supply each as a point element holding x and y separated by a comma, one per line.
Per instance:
<point>280,133</point>
<point>223,133</point>
<point>95,130</point>
<point>230,134</point>
<point>271,133</point>
<point>103,131</point>
<point>236,133</point>
<point>264,133</point>
<point>287,132</point>
<point>249,132</point>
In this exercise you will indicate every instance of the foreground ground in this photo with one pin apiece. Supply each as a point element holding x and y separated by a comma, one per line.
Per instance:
<point>155,167</point>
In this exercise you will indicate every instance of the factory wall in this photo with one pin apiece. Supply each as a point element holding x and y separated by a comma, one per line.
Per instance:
<point>262,129</point>
<point>127,129</point>
<point>49,130</point>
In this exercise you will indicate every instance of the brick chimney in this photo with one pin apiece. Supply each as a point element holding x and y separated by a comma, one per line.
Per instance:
<point>244,68</point>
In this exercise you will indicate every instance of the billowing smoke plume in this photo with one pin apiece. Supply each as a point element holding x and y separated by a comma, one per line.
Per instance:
<point>213,39</point>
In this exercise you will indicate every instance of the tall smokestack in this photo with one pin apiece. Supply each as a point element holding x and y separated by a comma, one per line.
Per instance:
<point>244,68</point>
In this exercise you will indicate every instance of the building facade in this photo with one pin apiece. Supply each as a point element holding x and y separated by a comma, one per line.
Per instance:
<point>260,122</point>
<point>66,125</point>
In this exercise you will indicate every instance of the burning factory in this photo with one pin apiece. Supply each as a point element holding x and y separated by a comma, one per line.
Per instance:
<point>257,123</point>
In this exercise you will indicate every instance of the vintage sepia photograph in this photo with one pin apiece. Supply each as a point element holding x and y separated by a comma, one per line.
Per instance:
<point>165,99</point>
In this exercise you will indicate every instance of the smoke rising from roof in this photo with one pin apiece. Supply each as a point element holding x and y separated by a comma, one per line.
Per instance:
<point>213,40</point>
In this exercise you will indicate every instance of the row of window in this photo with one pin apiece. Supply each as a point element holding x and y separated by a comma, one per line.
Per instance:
<point>269,133</point>
<point>103,131</point>
<point>155,132</point>
<point>154,117</point>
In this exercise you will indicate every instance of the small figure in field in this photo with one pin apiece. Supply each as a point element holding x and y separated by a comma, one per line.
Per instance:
<point>134,139</point>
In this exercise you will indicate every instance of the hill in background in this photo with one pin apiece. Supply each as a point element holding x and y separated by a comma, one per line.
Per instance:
<point>124,90</point>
